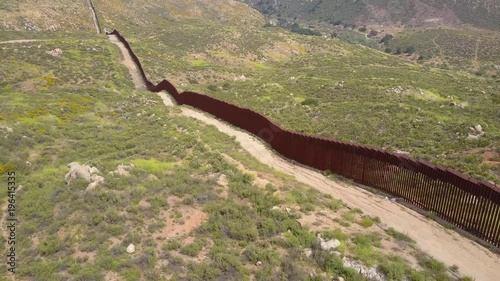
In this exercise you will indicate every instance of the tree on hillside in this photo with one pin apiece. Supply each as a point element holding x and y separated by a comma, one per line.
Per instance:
<point>410,50</point>
<point>373,33</point>
<point>386,39</point>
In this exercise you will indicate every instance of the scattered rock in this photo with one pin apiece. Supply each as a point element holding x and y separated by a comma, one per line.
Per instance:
<point>259,263</point>
<point>93,170</point>
<point>338,278</point>
<point>222,180</point>
<point>369,272</point>
<point>122,170</point>
<point>476,132</point>
<point>95,181</point>
<point>338,254</point>
<point>152,177</point>
<point>395,90</point>
<point>478,128</point>
<point>308,252</point>
<point>8,129</point>
<point>397,151</point>
<point>56,52</point>
<point>77,171</point>
<point>327,245</point>
<point>130,248</point>
<point>240,78</point>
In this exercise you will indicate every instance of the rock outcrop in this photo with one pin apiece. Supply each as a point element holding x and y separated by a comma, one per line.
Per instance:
<point>327,245</point>
<point>85,172</point>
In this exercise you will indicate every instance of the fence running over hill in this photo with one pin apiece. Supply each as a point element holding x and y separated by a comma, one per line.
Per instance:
<point>469,204</point>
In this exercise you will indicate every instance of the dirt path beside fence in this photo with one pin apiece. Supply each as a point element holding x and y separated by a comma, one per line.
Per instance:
<point>129,63</point>
<point>441,243</point>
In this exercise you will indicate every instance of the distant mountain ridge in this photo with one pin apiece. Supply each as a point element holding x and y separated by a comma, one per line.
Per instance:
<point>480,13</point>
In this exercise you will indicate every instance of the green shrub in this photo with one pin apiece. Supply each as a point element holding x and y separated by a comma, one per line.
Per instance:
<point>89,272</point>
<point>192,249</point>
<point>334,204</point>
<point>50,246</point>
<point>431,264</point>
<point>393,270</point>
<point>399,235</point>
<point>131,274</point>
<point>310,102</point>
<point>365,222</point>
<point>254,254</point>
<point>204,271</point>
<point>336,233</point>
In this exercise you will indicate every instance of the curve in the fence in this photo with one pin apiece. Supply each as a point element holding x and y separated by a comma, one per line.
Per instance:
<point>469,204</point>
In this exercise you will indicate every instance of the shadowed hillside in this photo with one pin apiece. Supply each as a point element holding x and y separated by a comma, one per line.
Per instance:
<point>484,13</point>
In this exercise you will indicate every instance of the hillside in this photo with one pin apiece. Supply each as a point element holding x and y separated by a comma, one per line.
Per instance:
<point>484,13</point>
<point>61,15</point>
<point>192,200</point>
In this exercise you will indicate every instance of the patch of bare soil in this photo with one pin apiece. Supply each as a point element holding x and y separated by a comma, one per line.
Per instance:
<point>180,220</point>
<point>112,276</point>
<point>491,158</point>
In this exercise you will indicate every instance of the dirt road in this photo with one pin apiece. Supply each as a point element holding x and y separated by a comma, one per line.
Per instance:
<point>445,245</point>
<point>129,63</point>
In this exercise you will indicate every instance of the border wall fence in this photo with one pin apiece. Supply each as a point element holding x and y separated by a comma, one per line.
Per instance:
<point>466,203</point>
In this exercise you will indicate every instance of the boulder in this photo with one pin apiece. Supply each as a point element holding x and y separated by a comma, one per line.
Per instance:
<point>77,171</point>
<point>8,129</point>
<point>308,252</point>
<point>56,52</point>
<point>95,181</point>
<point>122,170</point>
<point>327,245</point>
<point>478,128</point>
<point>222,180</point>
<point>130,248</point>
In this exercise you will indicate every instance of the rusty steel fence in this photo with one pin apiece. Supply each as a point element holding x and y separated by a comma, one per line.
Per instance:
<point>469,204</point>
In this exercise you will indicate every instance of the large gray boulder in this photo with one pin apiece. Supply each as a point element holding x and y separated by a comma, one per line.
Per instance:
<point>77,171</point>
<point>327,245</point>
<point>85,172</point>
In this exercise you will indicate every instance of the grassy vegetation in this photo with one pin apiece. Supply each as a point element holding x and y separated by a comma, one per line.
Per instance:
<point>451,48</point>
<point>81,107</point>
<point>336,90</point>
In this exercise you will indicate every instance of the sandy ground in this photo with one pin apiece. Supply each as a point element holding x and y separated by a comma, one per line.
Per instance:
<point>445,245</point>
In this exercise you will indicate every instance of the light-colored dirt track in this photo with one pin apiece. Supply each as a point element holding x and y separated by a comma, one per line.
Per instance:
<point>129,63</point>
<point>445,245</point>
